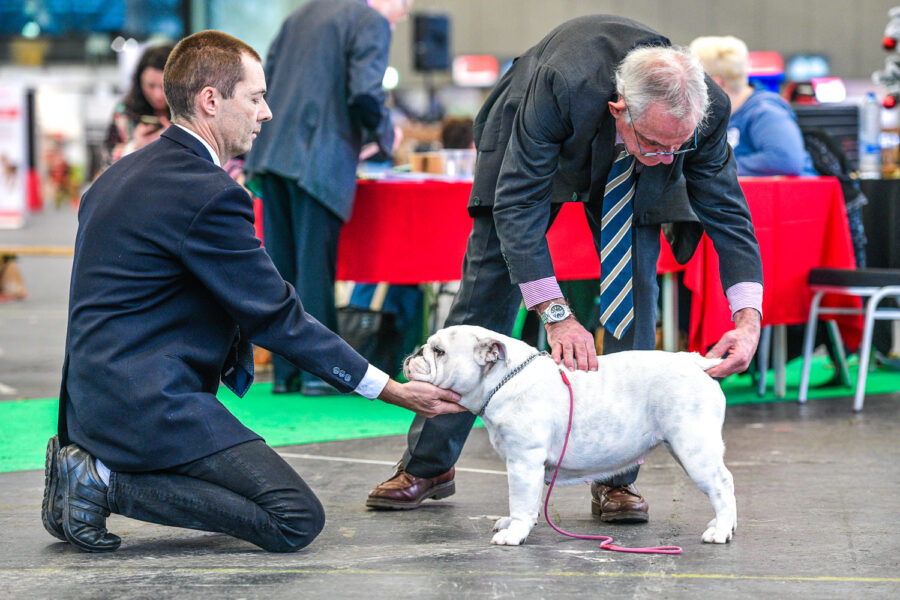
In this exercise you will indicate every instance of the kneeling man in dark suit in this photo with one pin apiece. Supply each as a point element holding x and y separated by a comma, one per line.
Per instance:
<point>169,286</point>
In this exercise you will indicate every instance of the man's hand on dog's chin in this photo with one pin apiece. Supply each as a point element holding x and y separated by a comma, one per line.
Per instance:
<point>739,343</point>
<point>570,342</point>
<point>422,398</point>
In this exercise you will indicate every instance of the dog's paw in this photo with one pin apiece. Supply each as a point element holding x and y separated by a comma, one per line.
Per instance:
<point>502,523</point>
<point>717,535</point>
<point>513,535</point>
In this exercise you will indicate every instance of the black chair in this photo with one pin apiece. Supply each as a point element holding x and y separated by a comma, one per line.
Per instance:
<point>874,284</point>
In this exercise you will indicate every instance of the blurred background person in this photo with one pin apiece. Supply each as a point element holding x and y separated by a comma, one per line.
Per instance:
<point>144,113</point>
<point>763,129</point>
<point>384,321</point>
<point>324,71</point>
<point>457,133</point>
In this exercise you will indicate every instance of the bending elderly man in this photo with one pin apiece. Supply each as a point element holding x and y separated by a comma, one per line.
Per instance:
<point>603,111</point>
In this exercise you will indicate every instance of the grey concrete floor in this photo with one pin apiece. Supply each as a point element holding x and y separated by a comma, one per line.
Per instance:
<point>816,486</point>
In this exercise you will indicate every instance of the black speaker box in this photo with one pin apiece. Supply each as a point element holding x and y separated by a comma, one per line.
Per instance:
<point>431,42</point>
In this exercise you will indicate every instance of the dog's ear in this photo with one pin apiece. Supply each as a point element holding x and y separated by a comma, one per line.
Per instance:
<point>488,351</point>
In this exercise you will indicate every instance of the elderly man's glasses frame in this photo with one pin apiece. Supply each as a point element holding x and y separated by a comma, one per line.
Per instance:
<point>637,138</point>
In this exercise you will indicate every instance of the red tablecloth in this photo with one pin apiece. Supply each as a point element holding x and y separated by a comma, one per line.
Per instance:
<point>410,232</point>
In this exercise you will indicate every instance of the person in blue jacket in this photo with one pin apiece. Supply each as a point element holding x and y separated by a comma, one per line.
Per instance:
<point>763,129</point>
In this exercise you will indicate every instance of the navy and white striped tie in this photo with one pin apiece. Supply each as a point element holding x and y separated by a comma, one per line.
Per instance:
<point>616,301</point>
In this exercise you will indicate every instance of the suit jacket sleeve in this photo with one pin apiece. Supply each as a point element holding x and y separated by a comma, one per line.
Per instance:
<point>220,249</point>
<point>367,61</point>
<point>522,203</point>
<point>711,176</point>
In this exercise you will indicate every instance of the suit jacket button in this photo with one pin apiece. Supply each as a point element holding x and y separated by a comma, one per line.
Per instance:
<point>335,370</point>
<point>476,201</point>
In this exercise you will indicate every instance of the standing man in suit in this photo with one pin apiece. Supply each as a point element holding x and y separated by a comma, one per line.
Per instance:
<point>325,69</point>
<point>169,287</point>
<point>603,111</point>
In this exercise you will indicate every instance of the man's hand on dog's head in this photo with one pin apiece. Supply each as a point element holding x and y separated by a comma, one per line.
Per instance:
<point>422,398</point>
<point>739,344</point>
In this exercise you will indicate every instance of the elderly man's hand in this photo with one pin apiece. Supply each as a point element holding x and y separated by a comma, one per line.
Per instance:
<point>570,342</point>
<point>422,398</point>
<point>740,344</point>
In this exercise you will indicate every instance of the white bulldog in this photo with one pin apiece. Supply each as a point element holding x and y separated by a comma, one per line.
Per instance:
<point>632,403</point>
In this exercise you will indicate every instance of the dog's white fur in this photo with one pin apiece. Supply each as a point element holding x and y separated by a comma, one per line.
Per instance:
<point>632,403</point>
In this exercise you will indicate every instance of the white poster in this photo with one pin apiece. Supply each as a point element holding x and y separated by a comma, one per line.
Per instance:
<point>13,157</point>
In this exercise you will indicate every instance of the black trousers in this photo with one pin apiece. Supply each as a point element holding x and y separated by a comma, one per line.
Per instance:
<point>247,491</point>
<point>487,298</point>
<point>301,236</point>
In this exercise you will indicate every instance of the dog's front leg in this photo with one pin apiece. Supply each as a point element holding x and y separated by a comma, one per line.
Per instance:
<point>525,473</point>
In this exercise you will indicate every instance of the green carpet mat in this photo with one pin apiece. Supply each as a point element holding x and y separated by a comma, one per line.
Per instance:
<point>283,420</point>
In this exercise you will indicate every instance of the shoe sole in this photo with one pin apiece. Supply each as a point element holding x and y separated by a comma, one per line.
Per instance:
<point>624,516</point>
<point>436,493</point>
<point>51,479</point>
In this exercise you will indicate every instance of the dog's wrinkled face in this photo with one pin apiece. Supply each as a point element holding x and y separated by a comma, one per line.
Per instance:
<point>455,359</point>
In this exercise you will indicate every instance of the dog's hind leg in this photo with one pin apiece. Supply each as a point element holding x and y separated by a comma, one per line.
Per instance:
<point>702,461</point>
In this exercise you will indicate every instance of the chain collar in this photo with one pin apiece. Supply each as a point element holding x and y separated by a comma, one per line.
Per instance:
<point>509,375</point>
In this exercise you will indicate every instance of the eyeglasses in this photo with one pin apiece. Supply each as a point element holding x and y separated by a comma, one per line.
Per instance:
<point>637,138</point>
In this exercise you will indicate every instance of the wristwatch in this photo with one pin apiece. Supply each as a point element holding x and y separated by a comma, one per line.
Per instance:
<point>556,312</point>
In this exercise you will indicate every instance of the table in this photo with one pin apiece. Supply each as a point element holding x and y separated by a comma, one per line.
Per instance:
<point>410,232</point>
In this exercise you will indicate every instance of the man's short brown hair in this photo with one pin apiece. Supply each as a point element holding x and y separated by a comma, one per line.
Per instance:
<point>206,58</point>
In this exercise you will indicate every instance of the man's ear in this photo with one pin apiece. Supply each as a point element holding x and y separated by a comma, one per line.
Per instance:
<point>617,107</point>
<point>488,351</point>
<point>208,101</point>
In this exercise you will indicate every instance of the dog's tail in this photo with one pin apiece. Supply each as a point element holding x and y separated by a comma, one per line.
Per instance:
<point>701,361</point>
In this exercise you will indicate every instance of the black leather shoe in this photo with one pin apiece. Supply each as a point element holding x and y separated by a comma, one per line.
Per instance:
<point>51,507</point>
<point>85,506</point>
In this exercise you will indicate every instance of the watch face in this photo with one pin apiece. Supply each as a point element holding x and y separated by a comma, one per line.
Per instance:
<point>557,311</point>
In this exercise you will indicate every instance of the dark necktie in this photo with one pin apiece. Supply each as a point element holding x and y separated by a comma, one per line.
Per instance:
<point>616,301</point>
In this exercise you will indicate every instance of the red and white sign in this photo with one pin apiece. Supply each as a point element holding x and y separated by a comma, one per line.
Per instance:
<point>475,70</point>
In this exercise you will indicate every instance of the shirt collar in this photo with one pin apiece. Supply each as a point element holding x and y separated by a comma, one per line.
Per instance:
<point>212,153</point>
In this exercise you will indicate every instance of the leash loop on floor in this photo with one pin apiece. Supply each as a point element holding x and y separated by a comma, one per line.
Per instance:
<point>605,539</point>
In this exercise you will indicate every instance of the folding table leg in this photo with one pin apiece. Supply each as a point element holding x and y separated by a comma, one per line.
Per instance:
<point>779,358</point>
<point>762,359</point>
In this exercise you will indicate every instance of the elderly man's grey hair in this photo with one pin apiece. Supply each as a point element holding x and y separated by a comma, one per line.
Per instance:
<point>669,75</point>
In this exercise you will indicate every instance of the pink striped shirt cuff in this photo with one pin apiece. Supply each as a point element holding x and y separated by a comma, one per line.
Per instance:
<point>747,294</point>
<point>540,290</point>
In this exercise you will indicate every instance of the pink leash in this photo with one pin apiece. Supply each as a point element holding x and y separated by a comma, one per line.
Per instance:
<point>607,541</point>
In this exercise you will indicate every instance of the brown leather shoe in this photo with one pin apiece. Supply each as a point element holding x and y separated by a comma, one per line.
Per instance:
<point>404,490</point>
<point>622,504</point>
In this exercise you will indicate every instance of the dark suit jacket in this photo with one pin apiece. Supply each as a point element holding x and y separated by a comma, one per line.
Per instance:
<point>545,134</point>
<point>324,71</point>
<point>166,269</point>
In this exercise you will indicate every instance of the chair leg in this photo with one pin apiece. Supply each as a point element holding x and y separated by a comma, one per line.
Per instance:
<point>835,335</point>
<point>808,339</point>
<point>865,350</point>
<point>762,359</point>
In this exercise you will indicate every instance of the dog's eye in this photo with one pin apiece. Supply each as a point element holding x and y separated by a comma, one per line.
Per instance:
<point>437,351</point>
